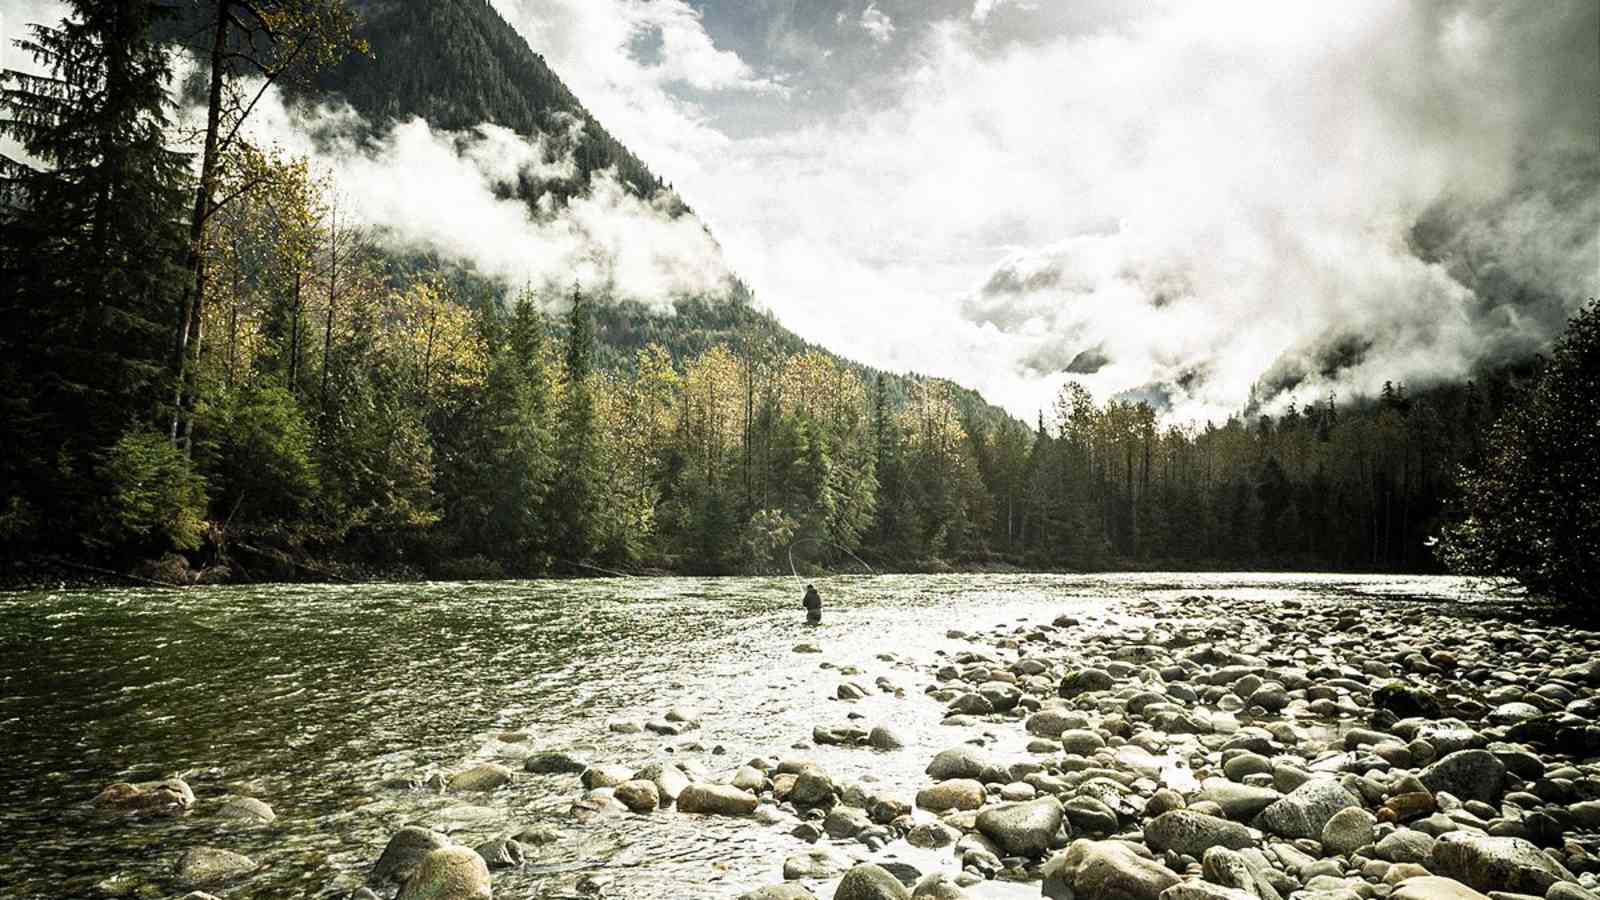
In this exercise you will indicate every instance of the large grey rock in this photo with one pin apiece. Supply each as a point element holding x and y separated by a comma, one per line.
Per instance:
<point>246,809</point>
<point>717,799</point>
<point>972,704</point>
<point>812,789</point>
<point>171,797</point>
<point>958,762</point>
<point>1204,890</point>
<point>640,795</point>
<point>1003,696</point>
<point>1233,869</point>
<point>668,779</point>
<point>957,793</point>
<point>204,866</point>
<point>1104,870</point>
<point>932,835</point>
<point>1469,775</point>
<point>1349,830</point>
<point>604,776</point>
<point>484,777</point>
<point>502,853</point>
<point>1085,681</point>
<point>1190,833</point>
<point>846,822</point>
<point>938,886</point>
<point>1433,887</point>
<point>1495,863</point>
<point>870,882</point>
<point>819,863</point>
<point>449,873</point>
<point>1023,829</point>
<point>884,738</point>
<point>1050,722</point>
<point>1082,741</point>
<point>554,762</point>
<point>1306,810</point>
<point>779,892</point>
<point>1404,845</point>
<point>404,853</point>
<point>1238,801</point>
<point>1090,816</point>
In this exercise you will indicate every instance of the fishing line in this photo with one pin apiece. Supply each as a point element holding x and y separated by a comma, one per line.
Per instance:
<point>794,572</point>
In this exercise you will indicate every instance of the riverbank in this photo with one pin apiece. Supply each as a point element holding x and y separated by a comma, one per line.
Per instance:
<point>267,566</point>
<point>1162,747</point>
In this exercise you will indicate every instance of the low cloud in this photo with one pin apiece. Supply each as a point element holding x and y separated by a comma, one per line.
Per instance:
<point>877,24</point>
<point>983,9</point>
<point>1207,197</point>
<point>454,193</point>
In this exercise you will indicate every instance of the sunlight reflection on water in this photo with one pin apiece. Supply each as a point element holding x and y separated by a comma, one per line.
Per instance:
<point>308,697</point>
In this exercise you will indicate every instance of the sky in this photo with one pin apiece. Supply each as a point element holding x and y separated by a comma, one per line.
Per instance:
<point>1186,203</point>
<point>1168,201</point>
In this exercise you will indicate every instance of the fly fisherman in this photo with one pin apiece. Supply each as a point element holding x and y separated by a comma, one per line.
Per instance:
<point>813,605</point>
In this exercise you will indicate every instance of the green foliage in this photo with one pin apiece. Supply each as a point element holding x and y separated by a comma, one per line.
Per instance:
<point>577,491</point>
<point>1531,505</point>
<point>766,537</point>
<point>262,464</point>
<point>90,253</point>
<point>152,497</point>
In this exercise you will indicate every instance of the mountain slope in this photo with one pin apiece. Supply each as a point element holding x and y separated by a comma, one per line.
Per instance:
<point>456,64</point>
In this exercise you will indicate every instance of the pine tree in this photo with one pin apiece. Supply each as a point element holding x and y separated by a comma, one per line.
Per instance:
<point>576,493</point>
<point>91,257</point>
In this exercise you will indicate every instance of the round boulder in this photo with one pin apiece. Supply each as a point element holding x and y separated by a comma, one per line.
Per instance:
<point>1023,829</point>
<point>449,873</point>
<point>870,882</point>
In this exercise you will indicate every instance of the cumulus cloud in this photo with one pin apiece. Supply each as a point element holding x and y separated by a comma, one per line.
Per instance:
<point>982,9</point>
<point>1188,203</point>
<point>451,193</point>
<point>877,24</point>
<point>639,97</point>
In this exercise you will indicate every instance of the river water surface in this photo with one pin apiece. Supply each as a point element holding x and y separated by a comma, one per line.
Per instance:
<point>312,697</point>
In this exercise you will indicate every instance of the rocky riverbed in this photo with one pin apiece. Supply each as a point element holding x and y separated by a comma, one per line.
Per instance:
<point>1155,748</point>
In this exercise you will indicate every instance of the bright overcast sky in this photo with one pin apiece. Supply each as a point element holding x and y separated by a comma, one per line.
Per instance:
<point>1173,200</point>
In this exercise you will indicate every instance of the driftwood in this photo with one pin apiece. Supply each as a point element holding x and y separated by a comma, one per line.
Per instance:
<point>96,570</point>
<point>275,554</point>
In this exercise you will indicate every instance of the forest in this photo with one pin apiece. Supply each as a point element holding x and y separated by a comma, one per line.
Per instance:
<point>211,365</point>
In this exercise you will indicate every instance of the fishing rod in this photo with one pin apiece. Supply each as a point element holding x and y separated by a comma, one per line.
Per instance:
<point>614,572</point>
<point>793,571</point>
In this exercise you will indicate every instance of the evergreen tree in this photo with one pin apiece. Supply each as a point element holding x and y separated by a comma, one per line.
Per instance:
<point>1532,505</point>
<point>576,493</point>
<point>90,259</point>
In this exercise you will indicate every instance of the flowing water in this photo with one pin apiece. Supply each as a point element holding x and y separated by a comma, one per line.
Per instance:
<point>312,697</point>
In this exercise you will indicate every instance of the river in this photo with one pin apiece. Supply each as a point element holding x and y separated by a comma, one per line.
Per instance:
<point>311,697</point>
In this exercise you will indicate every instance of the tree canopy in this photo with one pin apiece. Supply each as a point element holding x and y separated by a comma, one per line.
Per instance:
<point>1530,506</point>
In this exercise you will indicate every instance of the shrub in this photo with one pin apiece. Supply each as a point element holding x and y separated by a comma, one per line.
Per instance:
<point>152,494</point>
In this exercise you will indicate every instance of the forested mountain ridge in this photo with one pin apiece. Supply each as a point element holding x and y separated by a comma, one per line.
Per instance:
<point>457,64</point>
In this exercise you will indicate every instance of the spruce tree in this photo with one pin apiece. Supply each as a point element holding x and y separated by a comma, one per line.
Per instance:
<point>576,494</point>
<point>92,246</point>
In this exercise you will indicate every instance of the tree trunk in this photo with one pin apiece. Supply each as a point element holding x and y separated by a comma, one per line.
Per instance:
<point>194,294</point>
<point>333,293</point>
